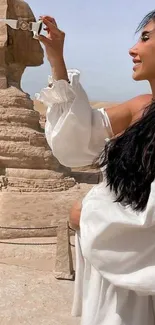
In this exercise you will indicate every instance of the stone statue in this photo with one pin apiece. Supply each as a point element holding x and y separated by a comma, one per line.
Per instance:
<point>24,151</point>
<point>18,49</point>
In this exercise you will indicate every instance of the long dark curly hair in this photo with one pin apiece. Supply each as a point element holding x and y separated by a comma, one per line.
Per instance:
<point>129,159</point>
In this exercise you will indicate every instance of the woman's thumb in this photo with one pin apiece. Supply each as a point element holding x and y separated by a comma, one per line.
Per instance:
<point>44,40</point>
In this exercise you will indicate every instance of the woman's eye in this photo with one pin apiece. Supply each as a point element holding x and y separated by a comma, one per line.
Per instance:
<point>144,38</point>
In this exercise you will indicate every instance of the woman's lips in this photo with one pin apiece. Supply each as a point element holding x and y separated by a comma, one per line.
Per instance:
<point>136,66</point>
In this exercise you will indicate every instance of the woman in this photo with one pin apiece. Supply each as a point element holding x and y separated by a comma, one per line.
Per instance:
<point>115,247</point>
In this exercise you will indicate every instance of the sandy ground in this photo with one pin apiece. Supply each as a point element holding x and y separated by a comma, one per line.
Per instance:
<point>29,293</point>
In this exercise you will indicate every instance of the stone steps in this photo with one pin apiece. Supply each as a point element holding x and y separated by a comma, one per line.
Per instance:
<point>13,184</point>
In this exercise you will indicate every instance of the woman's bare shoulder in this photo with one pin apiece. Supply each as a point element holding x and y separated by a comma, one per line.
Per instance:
<point>144,99</point>
<point>138,105</point>
<point>124,114</point>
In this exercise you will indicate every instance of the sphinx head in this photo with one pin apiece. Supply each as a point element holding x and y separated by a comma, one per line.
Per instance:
<point>20,46</point>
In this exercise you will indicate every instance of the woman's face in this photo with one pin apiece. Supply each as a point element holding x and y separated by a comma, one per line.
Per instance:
<point>143,54</point>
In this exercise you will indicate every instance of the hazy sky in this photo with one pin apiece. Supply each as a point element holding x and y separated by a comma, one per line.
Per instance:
<point>98,37</point>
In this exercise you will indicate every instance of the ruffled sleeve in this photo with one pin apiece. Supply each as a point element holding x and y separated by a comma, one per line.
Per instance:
<point>75,132</point>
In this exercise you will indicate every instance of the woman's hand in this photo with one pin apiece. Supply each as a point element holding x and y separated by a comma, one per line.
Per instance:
<point>53,41</point>
<point>54,44</point>
<point>75,215</point>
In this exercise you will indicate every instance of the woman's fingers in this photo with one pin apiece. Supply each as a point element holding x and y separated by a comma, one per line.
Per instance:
<point>46,29</point>
<point>51,28</point>
<point>50,19</point>
<point>53,40</point>
<point>51,24</point>
<point>44,40</point>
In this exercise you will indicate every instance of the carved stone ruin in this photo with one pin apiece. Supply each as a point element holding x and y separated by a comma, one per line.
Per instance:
<point>64,265</point>
<point>26,161</point>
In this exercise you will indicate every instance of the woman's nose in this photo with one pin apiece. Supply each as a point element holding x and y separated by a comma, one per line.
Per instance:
<point>133,51</point>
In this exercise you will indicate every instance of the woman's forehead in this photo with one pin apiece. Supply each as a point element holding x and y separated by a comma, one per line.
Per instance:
<point>149,27</point>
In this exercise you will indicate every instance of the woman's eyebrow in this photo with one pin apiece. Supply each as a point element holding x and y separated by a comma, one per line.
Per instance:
<point>146,32</point>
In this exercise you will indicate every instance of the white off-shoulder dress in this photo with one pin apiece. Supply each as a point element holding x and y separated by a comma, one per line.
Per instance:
<point>115,247</point>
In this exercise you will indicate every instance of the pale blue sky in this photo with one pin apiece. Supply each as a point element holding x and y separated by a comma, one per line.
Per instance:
<point>98,37</point>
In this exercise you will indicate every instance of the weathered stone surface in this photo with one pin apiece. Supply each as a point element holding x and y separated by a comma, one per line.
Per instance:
<point>37,210</point>
<point>14,184</point>
<point>64,264</point>
<point>17,46</point>
<point>32,173</point>
<point>22,140</point>
<point>26,161</point>
<point>8,233</point>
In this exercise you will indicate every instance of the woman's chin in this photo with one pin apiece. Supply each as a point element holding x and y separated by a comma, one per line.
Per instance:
<point>137,76</point>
